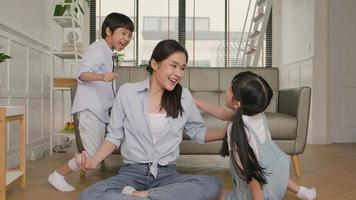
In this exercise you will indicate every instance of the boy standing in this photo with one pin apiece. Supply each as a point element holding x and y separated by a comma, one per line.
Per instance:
<point>96,91</point>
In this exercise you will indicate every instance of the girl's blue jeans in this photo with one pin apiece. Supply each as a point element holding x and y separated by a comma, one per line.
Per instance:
<point>168,185</point>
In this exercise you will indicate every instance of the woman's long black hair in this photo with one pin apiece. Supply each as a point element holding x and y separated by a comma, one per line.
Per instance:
<point>171,100</point>
<point>254,95</point>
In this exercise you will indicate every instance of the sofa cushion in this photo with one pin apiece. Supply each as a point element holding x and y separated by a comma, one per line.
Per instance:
<point>206,80</point>
<point>282,126</point>
<point>190,148</point>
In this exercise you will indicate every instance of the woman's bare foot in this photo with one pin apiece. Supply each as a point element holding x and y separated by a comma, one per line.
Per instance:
<point>143,194</point>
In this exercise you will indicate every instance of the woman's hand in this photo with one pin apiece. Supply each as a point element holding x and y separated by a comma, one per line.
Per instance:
<point>85,162</point>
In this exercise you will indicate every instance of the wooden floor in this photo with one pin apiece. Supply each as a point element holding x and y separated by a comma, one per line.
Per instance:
<point>331,169</point>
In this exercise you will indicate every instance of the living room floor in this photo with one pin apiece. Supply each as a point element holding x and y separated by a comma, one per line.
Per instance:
<point>328,168</point>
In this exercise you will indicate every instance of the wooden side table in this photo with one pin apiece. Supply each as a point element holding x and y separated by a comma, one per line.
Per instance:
<point>9,178</point>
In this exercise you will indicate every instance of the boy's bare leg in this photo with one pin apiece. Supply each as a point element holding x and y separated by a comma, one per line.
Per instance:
<point>64,170</point>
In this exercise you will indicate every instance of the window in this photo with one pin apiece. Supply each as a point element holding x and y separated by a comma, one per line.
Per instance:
<point>201,24</point>
<point>160,24</point>
<point>152,24</point>
<point>211,30</point>
<point>172,24</point>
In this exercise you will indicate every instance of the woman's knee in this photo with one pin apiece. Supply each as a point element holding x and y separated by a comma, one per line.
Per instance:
<point>211,185</point>
<point>91,193</point>
<point>216,185</point>
<point>85,195</point>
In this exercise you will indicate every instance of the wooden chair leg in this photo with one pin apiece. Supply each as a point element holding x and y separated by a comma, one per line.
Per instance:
<point>296,165</point>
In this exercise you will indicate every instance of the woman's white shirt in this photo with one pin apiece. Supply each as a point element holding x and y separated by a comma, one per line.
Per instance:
<point>157,123</point>
<point>129,127</point>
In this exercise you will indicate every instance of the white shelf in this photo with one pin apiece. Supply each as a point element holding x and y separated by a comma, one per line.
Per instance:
<point>66,21</point>
<point>14,110</point>
<point>70,20</point>
<point>12,176</point>
<point>61,133</point>
<point>67,55</point>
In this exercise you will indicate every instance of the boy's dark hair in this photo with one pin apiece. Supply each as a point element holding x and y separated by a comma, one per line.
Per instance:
<point>114,21</point>
<point>171,100</point>
<point>254,95</point>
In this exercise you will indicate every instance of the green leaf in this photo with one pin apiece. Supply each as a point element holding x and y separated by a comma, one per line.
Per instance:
<point>3,57</point>
<point>59,10</point>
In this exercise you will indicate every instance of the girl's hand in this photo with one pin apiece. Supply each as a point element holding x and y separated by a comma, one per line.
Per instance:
<point>109,76</point>
<point>85,162</point>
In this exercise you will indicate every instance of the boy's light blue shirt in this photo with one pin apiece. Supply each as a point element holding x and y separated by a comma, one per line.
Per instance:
<point>129,127</point>
<point>96,96</point>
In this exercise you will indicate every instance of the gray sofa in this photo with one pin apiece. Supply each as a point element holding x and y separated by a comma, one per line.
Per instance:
<point>287,115</point>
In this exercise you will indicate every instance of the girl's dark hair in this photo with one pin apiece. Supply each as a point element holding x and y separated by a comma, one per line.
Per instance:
<point>114,21</point>
<point>171,100</point>
<point>254,95</point>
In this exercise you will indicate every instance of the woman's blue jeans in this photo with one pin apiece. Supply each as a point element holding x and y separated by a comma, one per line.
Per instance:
<point>168,185</point>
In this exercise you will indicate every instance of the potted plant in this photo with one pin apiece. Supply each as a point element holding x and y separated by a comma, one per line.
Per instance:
<point>118,57</point>
<point>3,57</point>
<point>65,8</point>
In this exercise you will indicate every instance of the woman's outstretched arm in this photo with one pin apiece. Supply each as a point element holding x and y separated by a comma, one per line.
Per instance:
<point>214,135</point>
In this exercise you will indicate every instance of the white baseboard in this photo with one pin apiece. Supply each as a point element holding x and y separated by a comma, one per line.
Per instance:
<point>38,150</point>
<point>318,139</point>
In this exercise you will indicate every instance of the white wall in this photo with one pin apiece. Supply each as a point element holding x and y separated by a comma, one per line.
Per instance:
<point>328,65</point>
<point>297,25</point>
<point>342,71</point>
<point>296,40</point>
<point>320,99</point>
<point>25,78</point>
<point>30,19</point>
<point>293,37</point>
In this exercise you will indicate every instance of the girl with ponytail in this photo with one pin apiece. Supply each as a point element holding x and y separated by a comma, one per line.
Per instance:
<point>260,170</point>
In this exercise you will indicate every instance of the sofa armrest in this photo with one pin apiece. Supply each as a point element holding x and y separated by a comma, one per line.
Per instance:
<point>296,102</point>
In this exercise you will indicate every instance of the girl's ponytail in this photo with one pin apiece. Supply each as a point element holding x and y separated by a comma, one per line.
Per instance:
<point>250,167</point>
